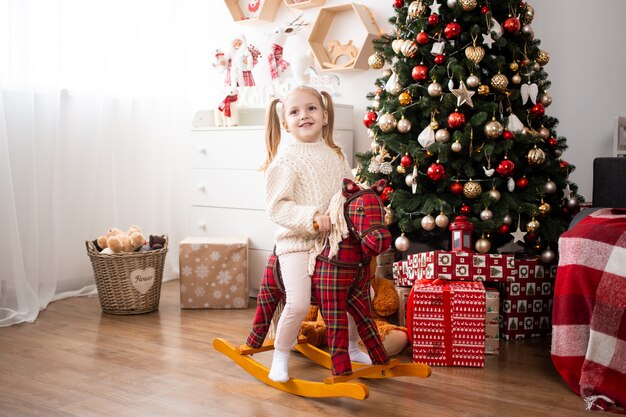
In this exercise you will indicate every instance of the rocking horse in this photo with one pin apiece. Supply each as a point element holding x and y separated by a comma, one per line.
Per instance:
<point>340,286</point>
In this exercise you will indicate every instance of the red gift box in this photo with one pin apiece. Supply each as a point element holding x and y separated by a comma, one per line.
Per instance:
<point>462,266</point>
<point>526,303</point>
<point>401,274</point>
<point>446,323</point>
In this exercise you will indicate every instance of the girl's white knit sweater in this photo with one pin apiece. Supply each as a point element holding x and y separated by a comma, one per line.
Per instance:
<point>300,183</point>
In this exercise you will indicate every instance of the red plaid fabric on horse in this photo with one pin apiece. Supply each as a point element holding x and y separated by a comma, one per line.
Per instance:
<point>589,320</point>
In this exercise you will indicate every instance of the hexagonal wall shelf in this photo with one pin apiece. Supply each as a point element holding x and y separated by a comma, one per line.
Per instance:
<point>266,13</point>
<point>330,54</point>
<point>303,4</point>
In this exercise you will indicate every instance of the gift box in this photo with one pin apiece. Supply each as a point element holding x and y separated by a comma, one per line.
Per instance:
<point>403,276</point>
<point>492,321</point>
<point>446,323</point>
<point>213,272</point>
<point>526,303</point>
<point>462,266</point>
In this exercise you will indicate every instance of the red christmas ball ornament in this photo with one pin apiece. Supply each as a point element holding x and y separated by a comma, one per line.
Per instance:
<point>521,183</point>
<point>440,59</point>
<point>552,142</point>
<point>504,229</point>
<point>386,194</point>
<point>538,110</point>
<point>398,4</point>
<point>505,168</point>
<point>485,10</point>
<point>433,19</point>
<point>436,171</point>
<point>564,164</point>
<point>369,118</point>
<point>452,30</point>
<point>466,210</point>
<point>420,73</point>
<point>512,25</point>
<point>530,237</point>
<point>406,161</point>
<point>456,188</point>
<point>422,38</point>
<point>507,135</point>
<point>456,119</point>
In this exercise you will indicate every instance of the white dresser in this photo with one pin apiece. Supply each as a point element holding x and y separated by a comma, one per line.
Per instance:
<point>227,190</point>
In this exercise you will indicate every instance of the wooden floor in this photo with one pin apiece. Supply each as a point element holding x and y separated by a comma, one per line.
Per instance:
<point>76,361</point>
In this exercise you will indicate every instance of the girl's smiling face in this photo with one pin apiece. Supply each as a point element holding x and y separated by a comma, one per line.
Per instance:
<point>304,116</point>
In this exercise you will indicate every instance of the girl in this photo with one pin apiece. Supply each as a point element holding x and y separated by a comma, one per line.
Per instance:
<point>299,186</point>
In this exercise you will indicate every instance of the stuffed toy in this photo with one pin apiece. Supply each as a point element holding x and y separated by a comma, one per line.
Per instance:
<point>117,241</point>
<point>385,303</point>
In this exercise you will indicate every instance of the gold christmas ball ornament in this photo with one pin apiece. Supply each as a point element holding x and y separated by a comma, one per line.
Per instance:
<point>532,226</point>
<point>494,195</point>
<point>499,82</point>
<point>545,209</point>
<point>435,89</point>
<point>416,8</point>
<point>528,15</point>
<point>544,132</point>
<point>400,169</point>
<point>516,79</point>
<point>468,5</point>
<point>428,222</point>
<point>514,66</point>
<point>536,156</point>
<point>483,245</point>
<point>404,125</point>
<point>376,60</point>
<point>472,189</point>
<point>472,81</point>
<point>387,122</point>
<point>475,53</point>
<point>442,135</point>
<point>405,98</point>
<point>545,99</point>
<point>493,129</point>
<point>434,125</point>
<point>483,90</point>
<point>442,220</point>
<point>388,215</point>
<point>542,58</point>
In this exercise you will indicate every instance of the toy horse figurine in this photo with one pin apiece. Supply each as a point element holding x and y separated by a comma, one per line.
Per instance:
<point>340,285</point>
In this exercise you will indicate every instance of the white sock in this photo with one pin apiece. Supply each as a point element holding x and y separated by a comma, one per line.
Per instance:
<point>356,355</point>
<point>280,364</point>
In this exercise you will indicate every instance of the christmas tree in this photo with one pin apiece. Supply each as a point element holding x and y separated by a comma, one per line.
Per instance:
<point>459,127</point>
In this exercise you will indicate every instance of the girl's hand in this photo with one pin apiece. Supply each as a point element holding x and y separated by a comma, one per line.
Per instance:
<point>322,221</point>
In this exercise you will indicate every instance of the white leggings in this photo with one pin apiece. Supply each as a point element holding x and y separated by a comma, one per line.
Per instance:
<point>297,282</point>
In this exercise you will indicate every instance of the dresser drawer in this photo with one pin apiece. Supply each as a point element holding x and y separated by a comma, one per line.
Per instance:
<point>225,222</point>
<point>240,148</point>
<point>231,188</point>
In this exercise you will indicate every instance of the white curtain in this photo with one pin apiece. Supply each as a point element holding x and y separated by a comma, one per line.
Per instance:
<point>95,111</point>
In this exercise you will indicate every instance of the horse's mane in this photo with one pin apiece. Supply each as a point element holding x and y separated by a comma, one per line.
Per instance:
<point>337,233</point>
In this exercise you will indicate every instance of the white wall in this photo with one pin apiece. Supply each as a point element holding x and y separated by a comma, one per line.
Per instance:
<point>586,42</point>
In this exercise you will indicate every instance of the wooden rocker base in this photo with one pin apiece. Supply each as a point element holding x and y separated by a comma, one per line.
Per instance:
<point>335,386</point>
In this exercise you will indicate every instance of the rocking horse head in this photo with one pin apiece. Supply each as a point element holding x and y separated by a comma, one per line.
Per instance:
<point>364,212</point>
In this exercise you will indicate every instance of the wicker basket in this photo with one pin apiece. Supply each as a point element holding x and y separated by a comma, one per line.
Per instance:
<point>128,283</point>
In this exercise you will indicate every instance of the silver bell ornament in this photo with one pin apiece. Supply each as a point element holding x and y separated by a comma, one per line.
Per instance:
<point>402,243</point>
<point>428,222</point>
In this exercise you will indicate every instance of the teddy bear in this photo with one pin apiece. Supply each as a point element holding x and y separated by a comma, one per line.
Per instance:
<point>117,241</point>
<point>385,303</point>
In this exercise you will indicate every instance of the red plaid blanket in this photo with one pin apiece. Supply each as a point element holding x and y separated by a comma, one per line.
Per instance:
<point>589,320</point>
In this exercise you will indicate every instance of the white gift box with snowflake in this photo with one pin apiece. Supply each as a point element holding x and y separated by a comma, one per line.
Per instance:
<point>213,272</point>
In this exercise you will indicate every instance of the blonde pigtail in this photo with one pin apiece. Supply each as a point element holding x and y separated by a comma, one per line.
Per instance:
<point>327,130</point>
<point>272,133</point>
